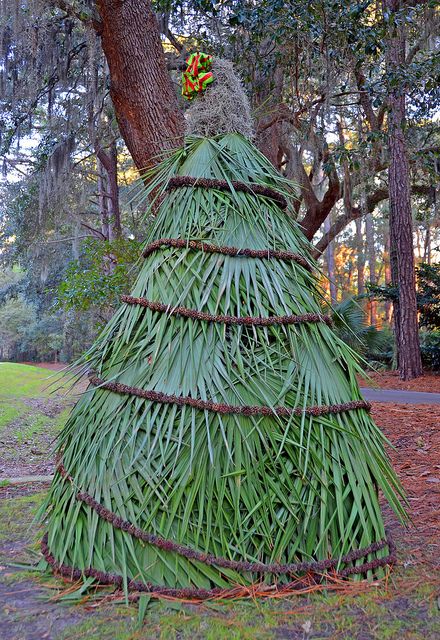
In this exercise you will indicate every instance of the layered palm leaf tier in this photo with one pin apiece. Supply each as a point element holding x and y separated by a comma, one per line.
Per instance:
<point>224,419</point>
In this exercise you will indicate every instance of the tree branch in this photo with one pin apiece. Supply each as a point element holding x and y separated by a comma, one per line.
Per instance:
<point>174,41</point>
<point>82,15</point>
<point>93,231</point>
<point>316,214</point>
<point>373,199</point>
<point>283,113</point>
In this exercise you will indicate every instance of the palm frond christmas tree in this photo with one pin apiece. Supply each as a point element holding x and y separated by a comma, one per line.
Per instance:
<point>223,439</point>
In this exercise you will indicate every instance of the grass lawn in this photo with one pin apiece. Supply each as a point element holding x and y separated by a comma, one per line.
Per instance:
<point>19,380</point>
<point>41,606</point>
<point>33,409</point>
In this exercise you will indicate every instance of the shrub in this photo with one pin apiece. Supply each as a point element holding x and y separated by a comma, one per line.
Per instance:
<point>430,348</point>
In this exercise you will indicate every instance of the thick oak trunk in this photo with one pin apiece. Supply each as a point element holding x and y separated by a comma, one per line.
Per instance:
<point>146,106</point>
<point>401,227</point>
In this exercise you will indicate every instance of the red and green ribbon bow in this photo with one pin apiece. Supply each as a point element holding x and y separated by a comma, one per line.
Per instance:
<point>198,74</point>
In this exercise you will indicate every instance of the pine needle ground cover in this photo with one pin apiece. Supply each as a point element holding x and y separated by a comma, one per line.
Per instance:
<point>224,434</point>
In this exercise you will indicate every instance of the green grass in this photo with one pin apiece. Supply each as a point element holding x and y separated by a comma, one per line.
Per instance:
<point>20,380</point>
<point>18,383</point>
<point>16,516</point>
<point>8,413</point>
<point>60,420</point>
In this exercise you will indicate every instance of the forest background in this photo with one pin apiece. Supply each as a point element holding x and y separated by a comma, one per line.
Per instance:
<point>345,97</point>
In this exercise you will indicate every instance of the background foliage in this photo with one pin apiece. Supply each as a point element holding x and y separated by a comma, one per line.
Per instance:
<point>318,85</point>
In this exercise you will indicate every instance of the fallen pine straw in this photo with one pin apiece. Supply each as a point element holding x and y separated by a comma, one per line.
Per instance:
<point>299,586</point>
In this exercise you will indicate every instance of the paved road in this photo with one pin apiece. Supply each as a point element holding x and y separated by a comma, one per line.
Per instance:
<point>400,397</point>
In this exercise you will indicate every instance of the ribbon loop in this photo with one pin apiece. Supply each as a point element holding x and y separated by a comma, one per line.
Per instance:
<point>198,74</point>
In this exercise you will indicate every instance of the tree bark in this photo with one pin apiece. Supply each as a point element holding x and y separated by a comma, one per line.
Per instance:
<point>146,106</point>
<point>115,211</point>
<point>269,91</point>
<point>330,257</point>
<point>108,161</point>
<point>360,258</point>
<point>386,262</point>
<point>427,246</point>
<point>103,210</point>
<point>401,227</point>
<point>371,255</point>
<point>318,210</point>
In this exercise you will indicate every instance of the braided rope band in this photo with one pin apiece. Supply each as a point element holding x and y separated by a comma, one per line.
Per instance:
<point>192,593</point>
<point>264,254</point>
<point>116,580</point>
<point>255,321</point>
<point>210,183</point>
<point>317,566</point>
<point>245,410</point>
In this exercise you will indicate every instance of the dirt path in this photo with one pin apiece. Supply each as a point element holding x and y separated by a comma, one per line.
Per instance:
<point>51,366</point>
<point>27,613</point>
<point>28,439</point>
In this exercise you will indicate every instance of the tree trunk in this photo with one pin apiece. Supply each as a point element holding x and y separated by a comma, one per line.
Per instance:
<point>115,212</point>
<point>108,162</point>
<point>401,228</point>
<point>146,106</point>
<point>418,244</point>
<point>387,265</point>
<point>371,255</point>
<point>360,258</point>
<point>108,206</point>
<point>102,189</point>
<point>427,247</point>
<point>269,92</point>
<point>330,258</point>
